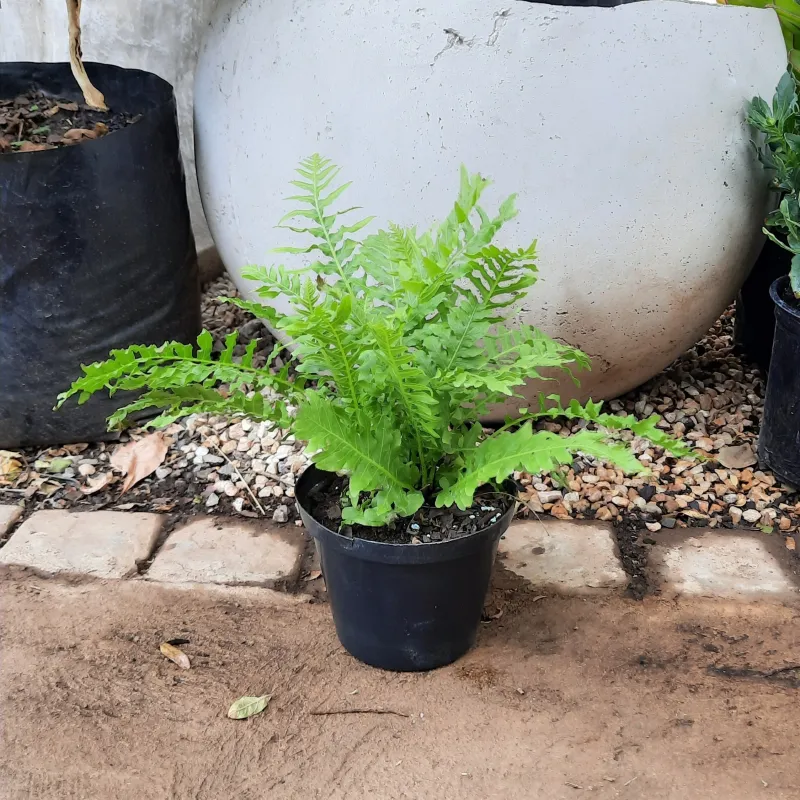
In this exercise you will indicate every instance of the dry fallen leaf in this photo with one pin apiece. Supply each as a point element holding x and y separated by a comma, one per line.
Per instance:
<point>68,106</point>
<point>32,147</point>
<point>97,483</point>
<point>76,134</point>
<point>10,466</point>
<point>313,575</point>
<point>737,457</point>
<point>175,654</point>
<point>246,707</point>
<point>140,458</point>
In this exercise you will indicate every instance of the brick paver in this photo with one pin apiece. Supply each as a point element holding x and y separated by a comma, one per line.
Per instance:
<point>725,565</point>
<point>571,557</point>
<point>103,544</point>
<point>231,552</point>
<point>8,518</point>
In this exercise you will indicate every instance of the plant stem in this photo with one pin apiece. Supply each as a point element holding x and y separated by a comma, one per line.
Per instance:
<point>94,98</point>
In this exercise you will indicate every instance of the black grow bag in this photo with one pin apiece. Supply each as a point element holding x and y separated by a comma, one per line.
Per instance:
<point>754,324</point>
<point>779,440</point>
<point>96,252</point>
<point>404,607</point>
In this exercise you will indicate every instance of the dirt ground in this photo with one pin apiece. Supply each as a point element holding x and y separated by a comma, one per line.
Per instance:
<point>562,698</point>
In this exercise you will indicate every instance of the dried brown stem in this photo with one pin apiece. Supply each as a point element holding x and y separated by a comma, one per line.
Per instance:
<point>358,711</point>
<point>93,97</point>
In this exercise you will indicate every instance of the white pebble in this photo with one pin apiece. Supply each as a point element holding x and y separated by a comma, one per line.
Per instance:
<point>281,514</point>
<point>751,515</point>
<point>212,500</point>
<point>202,451</point>
<point>163,472</point>
<point>86,470</point>
<point>238,504</point>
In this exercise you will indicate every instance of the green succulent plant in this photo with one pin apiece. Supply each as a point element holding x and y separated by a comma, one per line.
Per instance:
<point>779,152</point>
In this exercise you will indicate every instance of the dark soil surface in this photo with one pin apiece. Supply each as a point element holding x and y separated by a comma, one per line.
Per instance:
<point>429,524</point>
<point>36,121</point>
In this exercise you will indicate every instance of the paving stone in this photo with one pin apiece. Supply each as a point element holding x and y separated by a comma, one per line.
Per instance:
<point>569,556</point>
<point>103,544</point>
<point>210,550</point>
<point>8,517</point>
<point>721,565</point>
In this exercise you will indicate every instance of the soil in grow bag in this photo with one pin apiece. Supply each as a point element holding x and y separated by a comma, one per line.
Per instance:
<point>36,121</point>
<point>429,524</point>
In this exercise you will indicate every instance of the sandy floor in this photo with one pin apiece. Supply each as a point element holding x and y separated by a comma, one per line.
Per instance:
<point>561,699</point>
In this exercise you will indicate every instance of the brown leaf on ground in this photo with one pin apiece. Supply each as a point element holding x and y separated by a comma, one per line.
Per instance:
<point>76,134</point>
<point>140,458</point>
<point>737,457</point>
<point>175,654</point>
<point>313,575</point>
<point>10,466</point>
<point>68,106</point>
<point>30,147</point>
<point>97,483</point>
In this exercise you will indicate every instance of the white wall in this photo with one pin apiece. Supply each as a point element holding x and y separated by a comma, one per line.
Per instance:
<point>161,36</point>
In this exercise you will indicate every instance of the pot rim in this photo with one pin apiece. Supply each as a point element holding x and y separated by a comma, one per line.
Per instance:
<point>775,292</point>
<point>390,551</point>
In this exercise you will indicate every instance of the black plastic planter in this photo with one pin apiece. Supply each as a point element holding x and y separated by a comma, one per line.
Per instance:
<point>779,440</point>
<point>96,252</point>
<point>754,324</point>
<point>404,607</point>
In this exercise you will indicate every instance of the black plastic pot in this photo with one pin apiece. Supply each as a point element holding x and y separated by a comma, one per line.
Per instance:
<point>754,324</point>
<point>404,607</point>
<point>779,440</point>
<point>96,252</point>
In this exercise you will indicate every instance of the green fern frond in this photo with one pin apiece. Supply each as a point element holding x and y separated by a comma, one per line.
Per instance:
<point>374,458</point>
<point>529,451</point>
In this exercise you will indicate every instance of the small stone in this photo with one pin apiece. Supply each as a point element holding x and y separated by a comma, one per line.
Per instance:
<point>238,504</point>
<point>735,514</point>
<point>243,445</point>
<point>622,502</point>
<point>550,497</point>
<point>751,515</point>
<point>281,514</point>
<point>653,527</point>
<point>229,447</point>
<point>236,431</point>
<point>668,522</point>
<point>559,511</point>
<point>229,488</point>
<point>652,509</point>
<point>212,500</point>
<point>201,451</point>
<point>604,514</point>
<point>284,451</point>
<point>86,470</point>
<point>572,497</point>
<point>738,457</point>
<point>163,472</point>
<point>210,458</point>
<point>265,492</point>
<point>785,523</point>
<point>258,466</point>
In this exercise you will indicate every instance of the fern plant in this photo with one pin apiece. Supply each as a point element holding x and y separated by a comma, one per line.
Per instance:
<point>400,344</point>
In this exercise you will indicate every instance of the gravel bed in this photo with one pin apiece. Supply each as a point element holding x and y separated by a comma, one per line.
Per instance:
<point>709,396</point>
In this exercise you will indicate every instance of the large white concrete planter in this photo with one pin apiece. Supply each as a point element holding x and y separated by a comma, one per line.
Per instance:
<point>160,36</point>
<point>621,129</point>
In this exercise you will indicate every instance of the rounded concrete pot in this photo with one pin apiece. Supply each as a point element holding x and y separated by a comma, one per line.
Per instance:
<point>622,130</point>
<point>159,36</point>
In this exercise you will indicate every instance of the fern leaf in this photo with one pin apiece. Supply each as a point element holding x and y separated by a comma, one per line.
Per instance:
<point>374,459</point>
<point>529,451</point>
